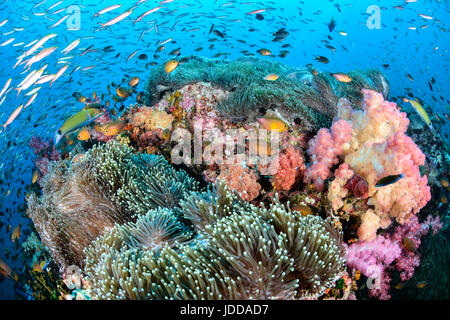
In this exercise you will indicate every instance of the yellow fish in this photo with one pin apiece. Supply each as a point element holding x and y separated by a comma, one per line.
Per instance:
<point>421,112</point>
<point>273,124</point>
<point>170,66</point>
<point>35,176</point>
<point>421,284</point>
<point>271,77</point>
<point>84,134</point>
<point>16,233</point>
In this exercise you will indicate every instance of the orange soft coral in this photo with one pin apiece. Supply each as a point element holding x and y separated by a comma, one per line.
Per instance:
<point>241,179</point>
<point>291,167</point>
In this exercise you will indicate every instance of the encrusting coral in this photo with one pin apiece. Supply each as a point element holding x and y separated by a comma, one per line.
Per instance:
<point>239,252</point>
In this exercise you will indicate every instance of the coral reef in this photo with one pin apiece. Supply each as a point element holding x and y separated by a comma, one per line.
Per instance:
<point>313,103</point>
<point>240,252</point>
<point>373,145</point>
<point>108,185</point>
<point>224,185</point>
<point>72,212</point>
<point>242,180</point>
<point>324,150</point>
<point>372,258</point>
<point>378,258</point>
<point>290,169</point>
<point>45,152</point>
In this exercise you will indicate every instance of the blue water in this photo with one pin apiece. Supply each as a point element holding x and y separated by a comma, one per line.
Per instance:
<point>422,53</point>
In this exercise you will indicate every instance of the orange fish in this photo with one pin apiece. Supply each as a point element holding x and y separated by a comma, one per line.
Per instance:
<point>303,209</point>
<point>357,274</point>
<point>84,134</point>
<point>342,77</point>
<point>264,52</point>
<point>271,77</point>
<point>170,66</point>
<point>400,285</point>
<point>5,270</point>
<point>112,128</point>
<point>123,92</point>
<point>16,233</point>
<point>273,124</point>
<point>409,245</point>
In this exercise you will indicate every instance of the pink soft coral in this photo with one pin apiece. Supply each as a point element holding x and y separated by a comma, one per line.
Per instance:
<point>337,190</point>
<point>240,179</point>
<point>290,169</point>
<point>373,143</point>
<point>413,231</point>
<point>46,152</point>
<point>325,149</point>
<point>373,259</point>
<point>379,256</point>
